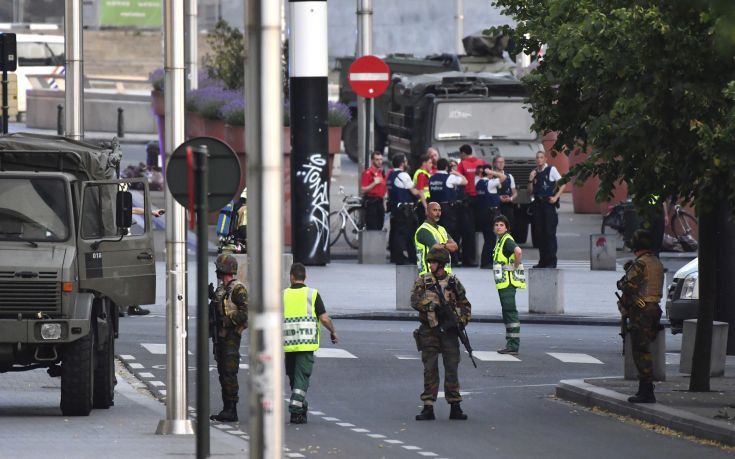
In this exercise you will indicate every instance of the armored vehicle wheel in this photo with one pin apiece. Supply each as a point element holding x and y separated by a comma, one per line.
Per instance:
<point>77,376</point>
<point>104,374</point>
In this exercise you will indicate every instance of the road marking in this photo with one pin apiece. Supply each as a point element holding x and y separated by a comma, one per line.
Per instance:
<point>440,394</point>
<point>493,356</point>
<point>394,442</point>
<point>360,430</point>
<point>330,419</point>
<point>376,436</point>
<point>145,374</point>
<point>316,413</point>
<point>408,357</point>
<point>574,358</point>
<point>244,366</point>
<point>427,453</point>
<point>223,426</point>
<point>127,357</point>
<point>673,359</point>
<point>410,448</point>
<point>345,424</point>
<point>333,353</point>
<point>158,349</point>
<point>294,455</point>
<point>136,366</point>
<point>158,383</point>
<point>237,432</point>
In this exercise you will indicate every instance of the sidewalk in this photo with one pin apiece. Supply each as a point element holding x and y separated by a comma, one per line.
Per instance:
<point>704,415</point>
<point>30,427</point>
<point>128,138</point>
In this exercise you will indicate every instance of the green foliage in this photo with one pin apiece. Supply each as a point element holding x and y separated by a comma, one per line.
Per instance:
<point>646,84</point>
<point>227,61</point>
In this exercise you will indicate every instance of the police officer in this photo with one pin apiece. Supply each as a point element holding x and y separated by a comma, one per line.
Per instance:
<point>303,310</point>
<point>431,235</point>
<point>443,188</point>
<point>542,185</point>
<point>487,205</point>
<point>507,191</point>
<point>509,276</point>
<point>230,301</point>
<point>437,295</point>
<point>641,286</point>
<point>401,197</point>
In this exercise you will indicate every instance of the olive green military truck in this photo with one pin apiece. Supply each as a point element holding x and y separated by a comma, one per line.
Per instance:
<point>70,258</point>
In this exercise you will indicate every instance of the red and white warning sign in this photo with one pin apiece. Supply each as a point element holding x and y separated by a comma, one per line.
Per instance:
<point>369,76</point>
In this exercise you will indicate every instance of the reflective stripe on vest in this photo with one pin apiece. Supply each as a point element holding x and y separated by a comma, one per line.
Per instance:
<point>440,235</point>
<point>499,257</point>
<point>416,181</point>
<point>300,324</point>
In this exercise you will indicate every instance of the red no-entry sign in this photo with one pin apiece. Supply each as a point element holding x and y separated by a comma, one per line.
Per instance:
<point>369,76</point>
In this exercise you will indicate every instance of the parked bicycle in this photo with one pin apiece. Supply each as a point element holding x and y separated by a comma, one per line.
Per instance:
<point>348,221</point>
<point>683,226</point>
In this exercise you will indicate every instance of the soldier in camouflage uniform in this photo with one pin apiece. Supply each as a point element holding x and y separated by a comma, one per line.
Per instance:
<point>641,286</point>
<point>436,336</point>
<point>230,301</point>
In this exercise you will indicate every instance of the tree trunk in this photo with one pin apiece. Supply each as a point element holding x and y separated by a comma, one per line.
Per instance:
<point>709,233</point>
<point>725,303</point>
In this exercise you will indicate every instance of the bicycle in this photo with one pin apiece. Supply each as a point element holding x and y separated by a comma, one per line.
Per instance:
<point>348,221</point>
<point>684,226</point>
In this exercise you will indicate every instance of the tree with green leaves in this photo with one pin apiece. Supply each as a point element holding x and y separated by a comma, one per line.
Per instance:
<point>647,86</point>
<point>227,60</point>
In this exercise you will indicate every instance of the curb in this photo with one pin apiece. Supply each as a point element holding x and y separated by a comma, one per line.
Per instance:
<point>580,392</point>
<point>542,319</point>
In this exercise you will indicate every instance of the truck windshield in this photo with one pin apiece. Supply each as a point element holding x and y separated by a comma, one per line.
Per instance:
<point>483,120</point>
<point>33,209</point>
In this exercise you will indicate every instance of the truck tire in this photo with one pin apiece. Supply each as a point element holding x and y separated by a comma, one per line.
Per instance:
<point>520,224</point>
<point>104,374</point>
<point>77,376</point>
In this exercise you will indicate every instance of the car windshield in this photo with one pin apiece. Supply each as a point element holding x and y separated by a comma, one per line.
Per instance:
<point>40,54</point>
<point>33,209</point>
<point>483,120</point>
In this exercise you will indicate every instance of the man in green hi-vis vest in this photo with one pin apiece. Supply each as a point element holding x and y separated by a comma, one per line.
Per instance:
<point>509,276</point>
<point>303,309</point>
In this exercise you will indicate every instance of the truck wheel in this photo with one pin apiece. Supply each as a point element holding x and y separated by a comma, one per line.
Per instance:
<point>520,225</point>
<point>77,376</point>
<point>104,375</point>
<point>349,137</point>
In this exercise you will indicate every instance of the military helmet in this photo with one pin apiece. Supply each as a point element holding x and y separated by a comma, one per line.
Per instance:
<point>642,240</point>
<point>226,264</point>
<point>439,255</point>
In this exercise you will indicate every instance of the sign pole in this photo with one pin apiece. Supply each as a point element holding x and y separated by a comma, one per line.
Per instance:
<point>365,116</point>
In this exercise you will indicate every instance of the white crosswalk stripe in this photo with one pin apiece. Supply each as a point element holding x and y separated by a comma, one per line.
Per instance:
<point>574,358</point>
<point>575,265</point>
<point>331,353</point>
<point>156,348</point>
<point>493,356</point>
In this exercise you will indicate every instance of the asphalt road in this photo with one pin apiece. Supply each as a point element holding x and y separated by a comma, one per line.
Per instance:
<point>365,394</point>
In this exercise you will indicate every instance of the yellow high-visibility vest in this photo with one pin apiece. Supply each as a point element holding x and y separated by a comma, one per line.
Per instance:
<point>499,257</point>
<point>416,181</point>
<point>300,323</point>
<point>440,234</point>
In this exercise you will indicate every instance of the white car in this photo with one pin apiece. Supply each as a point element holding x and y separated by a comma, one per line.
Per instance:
<point>38,55</point>
<point>682,301</point>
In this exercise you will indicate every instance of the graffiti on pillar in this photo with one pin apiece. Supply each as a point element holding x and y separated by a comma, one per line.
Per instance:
<point>311,175</point>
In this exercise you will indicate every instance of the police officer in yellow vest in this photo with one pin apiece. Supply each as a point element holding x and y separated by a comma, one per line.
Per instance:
<point>432,235</point>
<point>303,309</point>
<point>509,276</point>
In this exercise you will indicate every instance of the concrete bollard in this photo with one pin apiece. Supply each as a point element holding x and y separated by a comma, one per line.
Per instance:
<point>242,269</point>
<point>405,277</point>
<point>602,252</point>
<point>545,291</point>
<point>719,347</point>
<point>372,247</point>
<point>658,352</point>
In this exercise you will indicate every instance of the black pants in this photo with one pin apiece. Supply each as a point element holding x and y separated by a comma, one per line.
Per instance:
<point>508,209</point>
<point>374,213</point>
<point>485,217</point>
<point>545,220</point>
<point>450,222</point>
<point>400,239</point>
<point>467,228</point>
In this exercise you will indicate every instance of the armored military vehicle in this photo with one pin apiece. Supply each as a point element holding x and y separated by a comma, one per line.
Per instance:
<point>70,258</point>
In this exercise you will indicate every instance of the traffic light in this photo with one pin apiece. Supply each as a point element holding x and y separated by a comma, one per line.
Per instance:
<point>8,53</point>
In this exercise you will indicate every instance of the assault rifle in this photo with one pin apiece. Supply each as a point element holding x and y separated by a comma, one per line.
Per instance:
<point>623,320</point>
<point>213,332</point>
<point>448,320</point>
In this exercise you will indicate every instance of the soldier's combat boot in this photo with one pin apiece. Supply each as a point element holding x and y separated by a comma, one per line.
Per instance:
<point>427,414</point>
<point>455,412</point>
<point>228,413</point>
<point>644,395</point>
<point>298,418</point>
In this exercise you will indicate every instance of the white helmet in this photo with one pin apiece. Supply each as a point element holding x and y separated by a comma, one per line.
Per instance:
<point>244,194</point>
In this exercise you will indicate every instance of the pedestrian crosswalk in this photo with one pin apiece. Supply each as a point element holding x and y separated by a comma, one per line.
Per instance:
<point>574,265</point>
<point>479,355</point>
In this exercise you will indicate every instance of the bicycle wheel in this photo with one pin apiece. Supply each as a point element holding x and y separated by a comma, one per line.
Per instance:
<point>684,227</point>
<point>354,225</point>
<point>336,223</point>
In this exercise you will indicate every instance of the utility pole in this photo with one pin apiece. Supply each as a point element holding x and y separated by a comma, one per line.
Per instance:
<point>191,34</point>
<point>264,119</point>
<point>74,73</point>
<point>459,29</point>
<point>176,422</point>
<point>365,107</point>
<point>309,67</point>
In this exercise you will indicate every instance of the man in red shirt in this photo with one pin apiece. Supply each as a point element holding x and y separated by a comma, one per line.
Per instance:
<point>372,188</point>
<point>467,167</point>
<point>421,182</point>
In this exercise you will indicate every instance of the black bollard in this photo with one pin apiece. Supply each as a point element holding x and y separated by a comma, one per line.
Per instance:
<point>60,119</point>
<point>120,123</point>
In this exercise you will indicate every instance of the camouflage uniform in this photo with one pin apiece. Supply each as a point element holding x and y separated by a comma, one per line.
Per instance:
<point>641,286</point>
<point>433,339</point>
<point>231,310</point>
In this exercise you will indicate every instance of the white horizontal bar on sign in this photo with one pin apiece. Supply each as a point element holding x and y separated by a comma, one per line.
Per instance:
<point>369,76</point>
